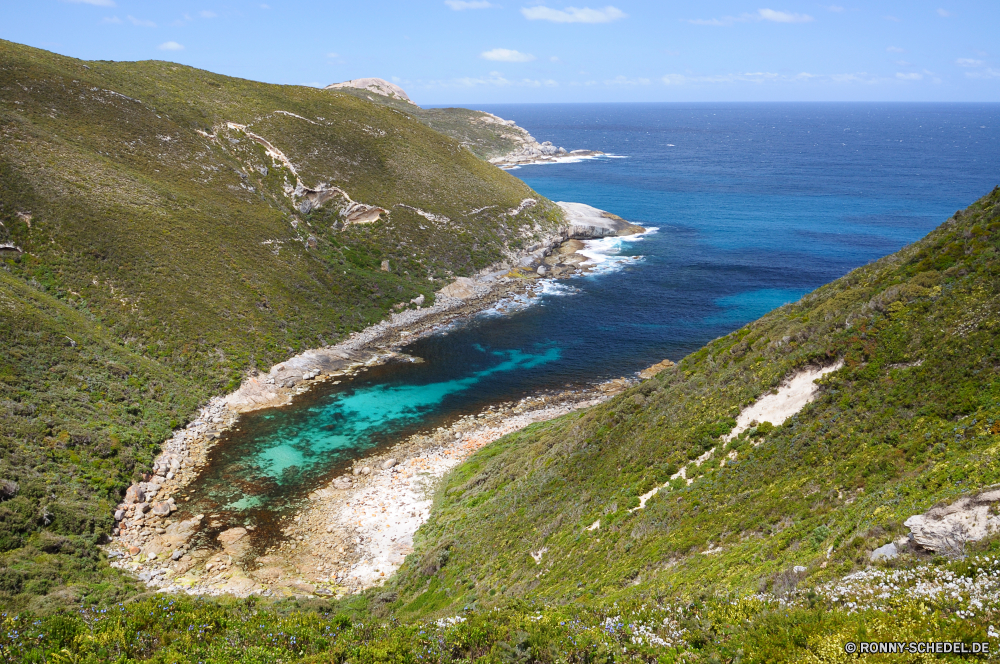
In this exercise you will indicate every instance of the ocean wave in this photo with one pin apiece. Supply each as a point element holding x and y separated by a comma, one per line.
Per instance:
<point>563,160</point>
<point>553,288</point>
<point>603,255</point>
<point>601,258</point>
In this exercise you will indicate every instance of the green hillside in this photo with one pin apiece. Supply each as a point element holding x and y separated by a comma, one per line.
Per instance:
<point>474,129</point>
<point>911,419</point>
<point>154,249</point>
<point>704,572</point>
<point>165,230</point>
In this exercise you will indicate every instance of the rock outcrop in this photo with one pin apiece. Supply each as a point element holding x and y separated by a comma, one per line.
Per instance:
<point>527,150</point>
<point>586,222</point>
<point>949,528</point>
<point>377,85</point>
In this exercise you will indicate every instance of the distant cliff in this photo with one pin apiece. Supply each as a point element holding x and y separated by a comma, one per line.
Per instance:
<point>490,137</point>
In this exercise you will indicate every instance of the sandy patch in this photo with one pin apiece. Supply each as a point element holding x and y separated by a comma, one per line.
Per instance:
<point>791,397</point>
<point>378,515</point>
<point>336,545</point>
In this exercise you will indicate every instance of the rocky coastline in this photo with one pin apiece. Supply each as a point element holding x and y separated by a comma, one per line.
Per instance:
<point>527,149</point>
<point>343,551</point>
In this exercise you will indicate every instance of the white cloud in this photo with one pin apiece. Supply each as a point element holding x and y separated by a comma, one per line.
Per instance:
<point>207,14</point>
<point>263,6</point>
<point>495,79</point>
<point>944,12</point>
<point>761,15</point>
<point>96,3</point>
<point>783,17</point>
<point>913,76</point>
<point>762,78</point>
<point>894,49</point>
<point>459,5</point>
<point>333,55</point>
<point>904,63</point>
<point>989,72</point>
<point>554,58</point>
<point>969,62</point>
<point>624,80</point>
<point>141,22</point>
<point>114,20</point>
<point>573,14</point>
<point>170,46</point>
<point>893,19</point>
<point>834,8</point>
<point>718,22</point>
<point>506,55</point>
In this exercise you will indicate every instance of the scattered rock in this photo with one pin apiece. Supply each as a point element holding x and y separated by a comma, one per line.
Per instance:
<point>119,515</point>
<point>798,569</point>
<point>388,463</point>
<point>887,552</point>
<point>161,509</point>
<point>134,494</point>
<point>342,483</point>
<point>462,288</point>
<point>948,529</point>
<point>231,536</point>
<point>649,372</point>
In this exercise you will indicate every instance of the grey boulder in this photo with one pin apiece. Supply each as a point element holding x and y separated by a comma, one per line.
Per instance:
<point>887,552</point>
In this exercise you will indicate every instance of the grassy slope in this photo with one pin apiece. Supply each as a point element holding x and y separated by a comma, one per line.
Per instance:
<point>882,442</point>
<point>906,435</point>
<point>485,139</point>
<point>176,262</point>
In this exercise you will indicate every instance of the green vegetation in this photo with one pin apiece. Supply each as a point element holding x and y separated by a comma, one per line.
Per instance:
<point>157,256</point>
<point>912,419</point>
<point>802,626</point>
<point>476,130</point>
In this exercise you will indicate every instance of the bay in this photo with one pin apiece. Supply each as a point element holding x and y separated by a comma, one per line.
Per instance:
<point>753,205</point>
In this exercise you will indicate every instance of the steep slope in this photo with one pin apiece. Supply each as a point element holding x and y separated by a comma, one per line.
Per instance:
<point>488,136</point>
<point>911,418</point>
<point>177,229</point>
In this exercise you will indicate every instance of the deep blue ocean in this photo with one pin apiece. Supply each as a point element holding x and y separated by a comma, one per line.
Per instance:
<point>754,205</point>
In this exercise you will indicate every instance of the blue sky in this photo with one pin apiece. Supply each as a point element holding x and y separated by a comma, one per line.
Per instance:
<point>497,51</point>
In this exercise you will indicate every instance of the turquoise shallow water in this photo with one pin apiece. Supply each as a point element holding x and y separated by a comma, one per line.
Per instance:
<point>360,417</point>
<point>755,205</point>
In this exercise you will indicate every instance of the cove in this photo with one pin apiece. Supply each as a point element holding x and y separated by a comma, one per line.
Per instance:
<point>754,205</point>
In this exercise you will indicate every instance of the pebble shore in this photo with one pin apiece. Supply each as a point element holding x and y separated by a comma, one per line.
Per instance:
<point>355,532</point>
